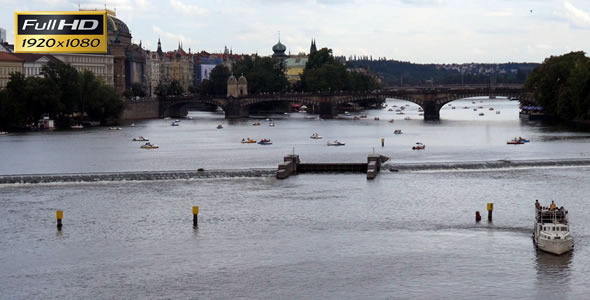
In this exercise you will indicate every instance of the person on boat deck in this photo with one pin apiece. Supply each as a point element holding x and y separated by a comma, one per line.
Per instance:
<point>537,204</point>
<point>553,206</point>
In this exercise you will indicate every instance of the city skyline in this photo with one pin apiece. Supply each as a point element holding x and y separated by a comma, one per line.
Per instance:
<point>421,31</point>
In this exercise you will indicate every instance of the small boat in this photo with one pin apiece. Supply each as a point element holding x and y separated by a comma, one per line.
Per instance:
<point>419,146</point>
<point>421,114</point>
<point>394,106</point>
<point>391,121</point>
<point>248,141</point>
<point>219,126</point>
<point>453,107</point>
<point>177,121</point>
<point>132,125</point>
<point>335,143</point>
<point>407,118</point>
<point>3,133</point>
<point>491,108</point>
<point>114,128</point>
<point>140,139</point>
<point>376,118</point>
<point>264,142</point>
<point>256,124</point>
<point>149,145</point>
<point>497,112</point>
<point>315,136</point>
<point>271,124</point>
<point>475,109</point>
<point>481,114</point>
<point>363,116</point>
<point>472,102</point>
<point>551,232</point>
<point>346,113</point>
<point>515,141</point>
<point>466,107</point>
<point>523,140</point>
<point>391,109</point>
<point>397,131</point>
<point>356,118</point>
<point>189,118</point>
<point>400,113</point>
<point>77,126</point>
<point>268,120</point>
<point>174,123</point>
<point>480,107</point>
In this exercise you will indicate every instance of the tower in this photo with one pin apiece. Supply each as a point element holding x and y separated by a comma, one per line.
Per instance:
<point>160,53</point>
<point>313,48</point>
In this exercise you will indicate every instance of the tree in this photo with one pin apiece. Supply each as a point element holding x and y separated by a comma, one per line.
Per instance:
<point>66,78</point>
<point>218,79</point>
<point>562,85</point>
<point>264,74</point>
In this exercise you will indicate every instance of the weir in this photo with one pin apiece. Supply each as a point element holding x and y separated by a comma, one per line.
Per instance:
<point>293,166</point>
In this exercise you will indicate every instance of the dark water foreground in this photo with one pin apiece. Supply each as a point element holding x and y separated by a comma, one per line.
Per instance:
<point>404,235</point>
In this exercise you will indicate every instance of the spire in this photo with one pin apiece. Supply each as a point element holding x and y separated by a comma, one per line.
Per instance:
<point>159,48</point>
<point>313,48</point>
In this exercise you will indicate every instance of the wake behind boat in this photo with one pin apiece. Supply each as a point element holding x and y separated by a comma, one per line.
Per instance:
<point>551,232</point>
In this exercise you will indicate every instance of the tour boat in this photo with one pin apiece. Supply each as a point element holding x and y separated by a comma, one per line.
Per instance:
<point>219,126</point>
<point>149,145</point>
<point>265,142</point>
<point>419,146</point>
<point>335,143</point>
<point>315,136</point>
<point>140,139</point>
<point>77,126</point>
<point>551,233</point>
<point>397,131</point>
<point>248,141</point>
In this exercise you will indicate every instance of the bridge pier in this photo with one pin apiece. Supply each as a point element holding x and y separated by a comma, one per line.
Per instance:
<point>431,111</point>
<point>328,110</point>
<point>233,109</point>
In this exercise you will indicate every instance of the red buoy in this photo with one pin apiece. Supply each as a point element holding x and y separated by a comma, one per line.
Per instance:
<point>477,216</point>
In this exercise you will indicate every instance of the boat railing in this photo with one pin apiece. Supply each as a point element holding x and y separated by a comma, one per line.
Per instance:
<point>551,216</point>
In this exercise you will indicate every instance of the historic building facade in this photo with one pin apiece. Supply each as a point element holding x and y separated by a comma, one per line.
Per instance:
<point>9,64</point>
<point>99,64</point>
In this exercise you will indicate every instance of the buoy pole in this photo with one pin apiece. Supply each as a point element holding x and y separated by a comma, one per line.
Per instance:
<point>59,215</point>
<point>382,142</point>
<point>477,216</point>
<point>195,216</point>
<point>490,210</point>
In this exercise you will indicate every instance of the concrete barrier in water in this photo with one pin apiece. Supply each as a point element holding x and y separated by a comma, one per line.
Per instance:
<point>293,166</point>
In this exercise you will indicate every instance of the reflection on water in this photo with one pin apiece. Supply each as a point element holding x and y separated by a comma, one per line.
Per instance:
<point>553,274</point>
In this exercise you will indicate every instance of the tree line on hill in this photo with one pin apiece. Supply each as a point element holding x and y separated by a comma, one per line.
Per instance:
<point>396,73</point>
<point>62,93</point>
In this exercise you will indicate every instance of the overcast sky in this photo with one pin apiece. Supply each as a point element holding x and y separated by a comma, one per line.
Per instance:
<point>423,31</point>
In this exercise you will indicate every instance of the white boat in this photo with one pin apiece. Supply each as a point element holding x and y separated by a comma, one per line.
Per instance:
<point>77,126</point>
<point>315,136</point>
<point>335,143</point>
<point>551,233</point>
<point>174,123</point>
<point>140,139</point>
<point>132,125</point>
<point>3,133</point>
<point>114,128</point>
<point>271,124</point>
<point>149,145</point>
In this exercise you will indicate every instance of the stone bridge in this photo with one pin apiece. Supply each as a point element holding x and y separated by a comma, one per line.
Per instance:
<point>431,99</point>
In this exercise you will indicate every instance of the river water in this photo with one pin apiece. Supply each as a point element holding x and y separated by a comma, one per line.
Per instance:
<point>407,234</point>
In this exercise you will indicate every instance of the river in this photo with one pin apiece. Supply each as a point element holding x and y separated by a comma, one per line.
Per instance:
<point>407,234</point>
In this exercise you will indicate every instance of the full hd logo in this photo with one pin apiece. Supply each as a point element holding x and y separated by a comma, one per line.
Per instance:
<point>65,32</point>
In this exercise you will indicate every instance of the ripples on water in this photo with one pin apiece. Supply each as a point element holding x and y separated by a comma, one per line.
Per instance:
<point>404,235</point>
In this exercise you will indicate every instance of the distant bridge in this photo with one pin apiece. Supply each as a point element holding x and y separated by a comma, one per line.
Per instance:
<point>430,98</point>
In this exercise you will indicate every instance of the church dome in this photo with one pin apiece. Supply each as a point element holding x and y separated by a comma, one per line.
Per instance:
<point>232,79</point>
<point>279,50</point>
<point>115,25</point>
